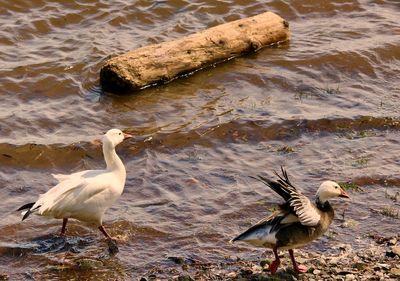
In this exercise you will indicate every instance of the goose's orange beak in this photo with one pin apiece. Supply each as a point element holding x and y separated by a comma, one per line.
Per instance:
<point>127,136</point>
<point>343,194</point>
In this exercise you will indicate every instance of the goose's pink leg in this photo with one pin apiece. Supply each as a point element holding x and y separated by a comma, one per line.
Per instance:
<point>64,227</point>
<point>103,230</point>
<point>298,268</point>
<point>273,267</point>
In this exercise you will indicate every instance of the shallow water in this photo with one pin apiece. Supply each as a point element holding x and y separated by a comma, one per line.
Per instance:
<point>325,105</point>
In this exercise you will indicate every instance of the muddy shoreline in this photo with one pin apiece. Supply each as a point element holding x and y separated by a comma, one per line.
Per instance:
<point>379,262</point>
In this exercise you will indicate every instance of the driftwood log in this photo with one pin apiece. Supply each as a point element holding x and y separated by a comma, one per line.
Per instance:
<point>161,63</point>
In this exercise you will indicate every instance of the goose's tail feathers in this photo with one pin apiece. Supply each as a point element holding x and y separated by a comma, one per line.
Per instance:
<point>28,208</point>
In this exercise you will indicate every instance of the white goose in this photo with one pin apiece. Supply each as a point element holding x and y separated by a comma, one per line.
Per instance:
<point>296,223</point>
<point>85,195</point>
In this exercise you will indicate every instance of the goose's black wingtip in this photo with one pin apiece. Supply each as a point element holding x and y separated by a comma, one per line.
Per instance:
<point>28,212</point>
<point>26,206</point>
<point>26,215</point>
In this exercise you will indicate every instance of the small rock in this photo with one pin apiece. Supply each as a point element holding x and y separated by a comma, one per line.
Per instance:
<point>396,250</point>
<point>392,241</point>
<point>344,272</point>
<point>359,266</point>
<point>316,272</point>
<point>185,278</point>
<point>177,260</point>
<point>349,223</point>
<point>350,277</point>
<point>256,268</point>
<point>112,247</point>
<point>246,271</point>
<point>88,263</point>
<point>390,254</point>
<point>301,260</point>
<point>381,265</point>
<point>3,276</point>
<point>231,275</point>
<point>264,263</point>
<point>395,271</point>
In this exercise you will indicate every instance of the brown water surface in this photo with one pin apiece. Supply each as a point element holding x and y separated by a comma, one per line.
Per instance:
<point>325,105</point>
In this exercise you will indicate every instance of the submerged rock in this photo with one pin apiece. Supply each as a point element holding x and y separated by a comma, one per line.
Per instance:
<point>112,247</point>
<point>88,263</point>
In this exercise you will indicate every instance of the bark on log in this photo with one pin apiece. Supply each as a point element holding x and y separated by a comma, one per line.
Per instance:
<point>161,63</point>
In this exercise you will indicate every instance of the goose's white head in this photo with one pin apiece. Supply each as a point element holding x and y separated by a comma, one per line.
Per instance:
<point>330,189</point>
<point>115,137</point>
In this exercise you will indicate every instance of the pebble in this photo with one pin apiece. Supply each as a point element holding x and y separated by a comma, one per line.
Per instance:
<point>185,278</point>
<point>396,250</point>
<point>87,263</point>
<point>395,271</point>
<point>231,275</point>
<point>382,265</point>
<point>316,272</point>
<point>350,277</point>
<point>359,266</point>
<point>177,260</point>
<point>301,260</point>
<point>256,268</point>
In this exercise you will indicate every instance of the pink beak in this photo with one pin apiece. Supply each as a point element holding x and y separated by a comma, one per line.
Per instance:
<point>343,194</point>
<point>127,136</point>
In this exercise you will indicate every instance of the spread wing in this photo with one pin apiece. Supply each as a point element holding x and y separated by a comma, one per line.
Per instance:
<point>295,201</point>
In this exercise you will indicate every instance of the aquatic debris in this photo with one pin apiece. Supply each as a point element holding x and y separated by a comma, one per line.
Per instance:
<point>3,276</point>
<point>150,65</point>
<point>286,149</point>
<point>359,135</point>
<point>350,223</point>
<point>390,212</point>
<point>350,186</point>
<point>112,247</point>
<point>88,263</point>
<point>361,162</point>
<point>395,197</point>
<point>177,260</point>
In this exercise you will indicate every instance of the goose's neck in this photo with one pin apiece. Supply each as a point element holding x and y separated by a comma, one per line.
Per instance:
<point>114,163</point>
<point>322,204</point>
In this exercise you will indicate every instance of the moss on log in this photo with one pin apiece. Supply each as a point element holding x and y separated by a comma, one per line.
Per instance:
<point>161,63</point>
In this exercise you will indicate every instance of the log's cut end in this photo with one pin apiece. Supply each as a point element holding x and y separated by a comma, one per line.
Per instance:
<point>161,63</point>
<point>113,78</point>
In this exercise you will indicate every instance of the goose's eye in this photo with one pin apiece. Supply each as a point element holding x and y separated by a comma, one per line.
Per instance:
<point>120,134</point>
<point>336,186</point>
